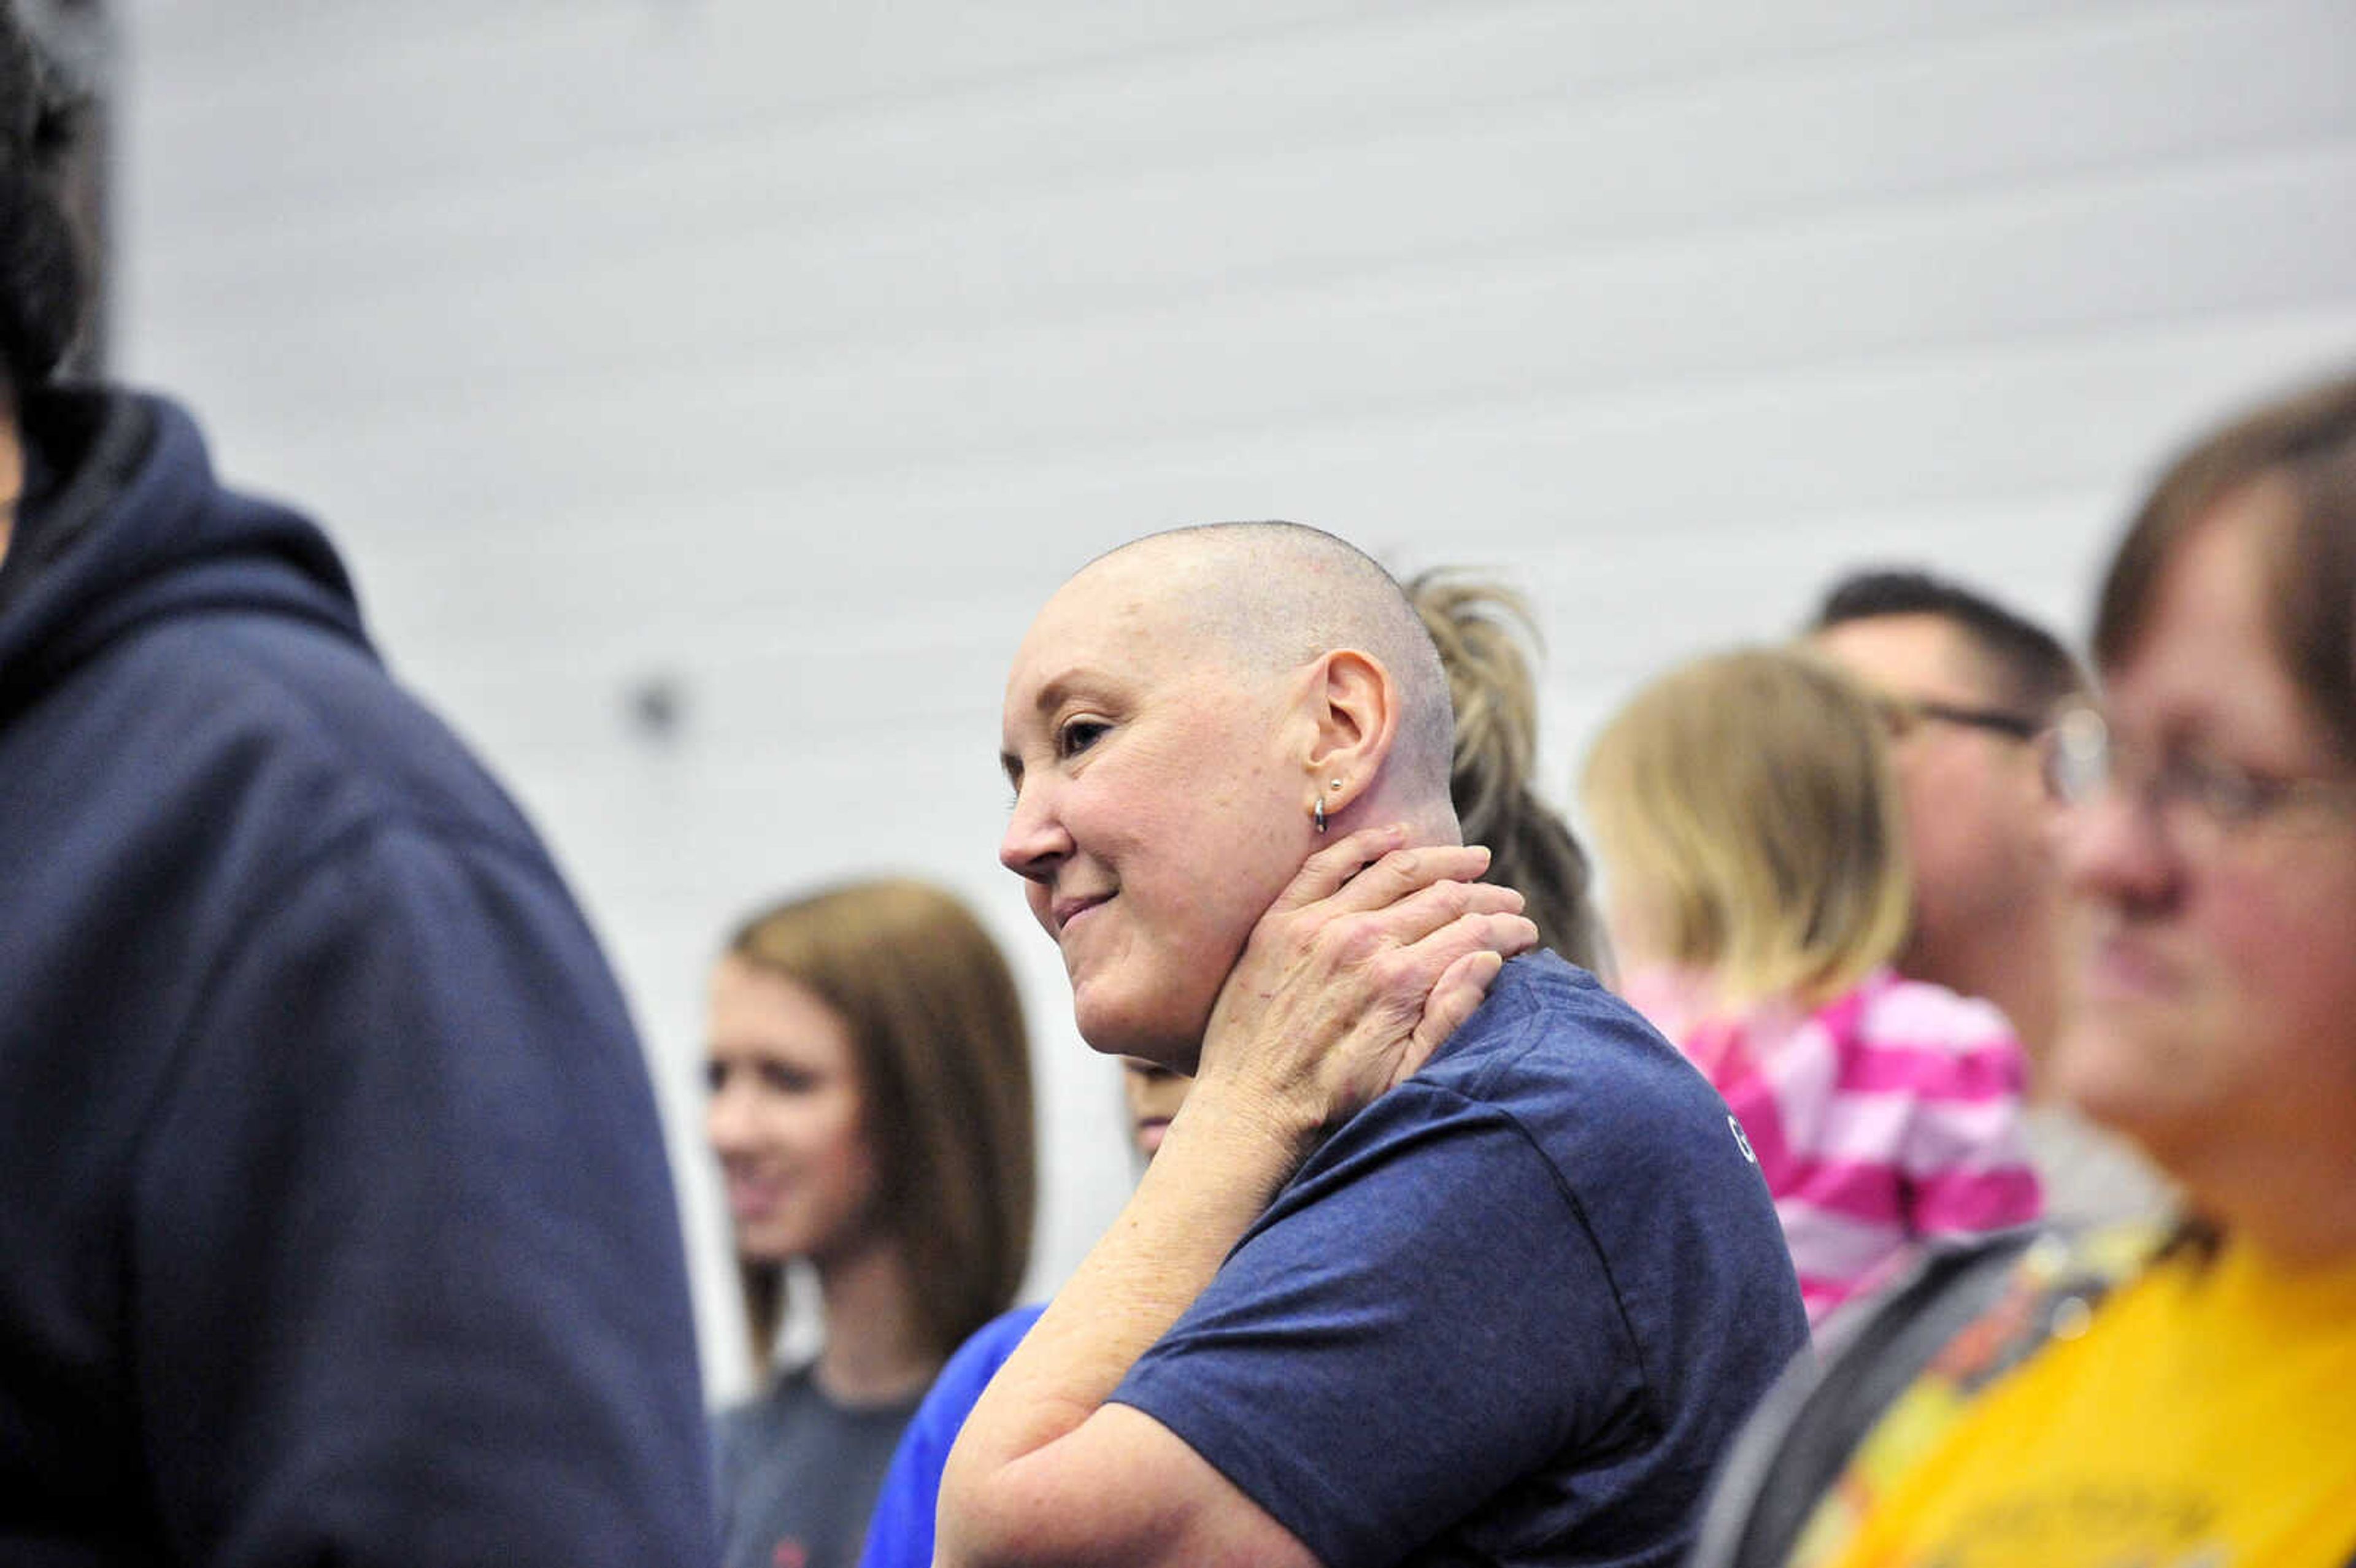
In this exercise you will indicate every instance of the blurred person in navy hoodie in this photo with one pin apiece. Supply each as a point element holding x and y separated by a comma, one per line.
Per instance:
<point>335,1224</point>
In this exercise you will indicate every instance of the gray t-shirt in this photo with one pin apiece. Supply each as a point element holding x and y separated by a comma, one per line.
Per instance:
<point>799,1475</point>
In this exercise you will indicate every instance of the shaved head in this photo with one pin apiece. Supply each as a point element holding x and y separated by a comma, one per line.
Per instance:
<point>1180,720</point>
<point>1274,595</point>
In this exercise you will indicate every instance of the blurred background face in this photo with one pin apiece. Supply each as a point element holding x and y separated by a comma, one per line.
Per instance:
<point>2212,1006</point>
<point>1152,1095</point>
<point>1152,819</point>
<point>1977,825</point>
<point>785,1117</point>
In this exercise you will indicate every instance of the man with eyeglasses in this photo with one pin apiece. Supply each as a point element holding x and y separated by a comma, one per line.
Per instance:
<point>1970,687</point>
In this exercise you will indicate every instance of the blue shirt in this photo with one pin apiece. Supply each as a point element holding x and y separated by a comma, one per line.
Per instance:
<point>1510,1312</point>
<point>901,1533</point>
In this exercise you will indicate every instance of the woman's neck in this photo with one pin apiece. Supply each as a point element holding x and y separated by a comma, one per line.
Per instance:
<point>875,1351</point>
<point>2291,1206</point>
<point>2307,1238</point>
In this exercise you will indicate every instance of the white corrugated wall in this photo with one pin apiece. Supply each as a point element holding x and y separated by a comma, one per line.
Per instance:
<point>787,353</point>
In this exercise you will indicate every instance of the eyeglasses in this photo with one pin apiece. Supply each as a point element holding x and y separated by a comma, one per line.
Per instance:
<point>2194,798</point>
<point>1903,715</point>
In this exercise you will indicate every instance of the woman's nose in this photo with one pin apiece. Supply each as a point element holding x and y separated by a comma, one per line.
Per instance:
<point>1036,839</point>
<point>726,1122</point>
<point>2116,847</point>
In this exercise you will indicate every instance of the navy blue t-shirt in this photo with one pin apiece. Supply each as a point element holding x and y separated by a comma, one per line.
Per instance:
<point>1509,1313</point>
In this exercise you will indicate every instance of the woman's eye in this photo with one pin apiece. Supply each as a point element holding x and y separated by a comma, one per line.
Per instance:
<point>715,1076</point>
<point>786,1079</point>
<point>1078,735</point>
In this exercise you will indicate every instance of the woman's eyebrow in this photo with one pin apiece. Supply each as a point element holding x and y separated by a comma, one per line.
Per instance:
<point>1053,695</point>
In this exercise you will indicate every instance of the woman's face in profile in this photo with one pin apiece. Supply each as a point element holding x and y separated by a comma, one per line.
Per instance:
<point>2213,987</point>
<point>1152,818</point>
<point>786,1117</point>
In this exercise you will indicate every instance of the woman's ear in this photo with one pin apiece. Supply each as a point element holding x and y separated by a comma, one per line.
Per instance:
<point>1354,711</point>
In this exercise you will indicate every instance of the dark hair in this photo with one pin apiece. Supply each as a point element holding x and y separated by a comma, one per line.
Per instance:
<point>2038,672</point>
<point>1481,629</point>
<point>2305,442</point>
<point>42,284</point>
<point>945,1067</point>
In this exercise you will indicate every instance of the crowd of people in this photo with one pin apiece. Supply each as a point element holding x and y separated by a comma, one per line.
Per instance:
<point>1924,1133</point>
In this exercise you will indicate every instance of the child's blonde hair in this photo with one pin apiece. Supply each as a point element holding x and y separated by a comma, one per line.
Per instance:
<point>1746,802</point>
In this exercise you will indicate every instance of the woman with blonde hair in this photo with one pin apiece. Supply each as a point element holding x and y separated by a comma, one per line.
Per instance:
<point>871,1109</point>
<point>1749,825</point>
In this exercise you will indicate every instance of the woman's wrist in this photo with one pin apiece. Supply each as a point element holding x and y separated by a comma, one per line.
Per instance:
<point>1254,1135</point>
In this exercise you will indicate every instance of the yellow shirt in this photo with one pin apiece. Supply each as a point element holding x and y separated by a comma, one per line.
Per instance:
<point>2204,1415</point>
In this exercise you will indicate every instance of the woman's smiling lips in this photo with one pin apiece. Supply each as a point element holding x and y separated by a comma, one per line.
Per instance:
<point>754,1196</point>
<point>1069,907</point>
<point>2118,966</point>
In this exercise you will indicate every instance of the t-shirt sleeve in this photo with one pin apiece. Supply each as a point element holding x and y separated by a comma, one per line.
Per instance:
<point>1417,1321</point>
<point>408,1282</point>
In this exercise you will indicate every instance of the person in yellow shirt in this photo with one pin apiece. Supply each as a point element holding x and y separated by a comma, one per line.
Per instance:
<point>2182,1396</point>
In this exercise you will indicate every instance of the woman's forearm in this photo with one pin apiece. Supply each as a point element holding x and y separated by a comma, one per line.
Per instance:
<point>1005,1496</point>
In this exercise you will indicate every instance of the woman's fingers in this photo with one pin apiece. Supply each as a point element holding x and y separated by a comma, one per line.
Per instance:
<point>1403,947</point>
<point>1372,869</point>
<point>1375,953</point>
<point>1417,914</point>
<point>1402,873</point>
<point>1460,954</point>
<point>1326,873</point>
<point>1462,987</point>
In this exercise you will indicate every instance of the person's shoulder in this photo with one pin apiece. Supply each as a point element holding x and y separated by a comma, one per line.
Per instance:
<point>352,718</point>
<point>1897,1036</point>
<point>976,1361</point>
<point>996,1339</point>
<point>1537,997</point>
<point>1550,1032</point>
<point>1603,1097</point>
<point>206,648</point>
<point>303,737</point>
<point>1892,1010</point>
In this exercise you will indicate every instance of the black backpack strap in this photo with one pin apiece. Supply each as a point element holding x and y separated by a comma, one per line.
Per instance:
<point>1798,1442</point>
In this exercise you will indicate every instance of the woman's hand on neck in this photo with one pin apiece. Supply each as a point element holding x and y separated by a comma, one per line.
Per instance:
<point>1358,971</point>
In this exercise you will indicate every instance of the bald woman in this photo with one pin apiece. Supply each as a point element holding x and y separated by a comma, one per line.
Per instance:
<point>1446,1259</point>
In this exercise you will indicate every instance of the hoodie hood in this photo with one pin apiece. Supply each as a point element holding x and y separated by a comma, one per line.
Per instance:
<point>124,524</point>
